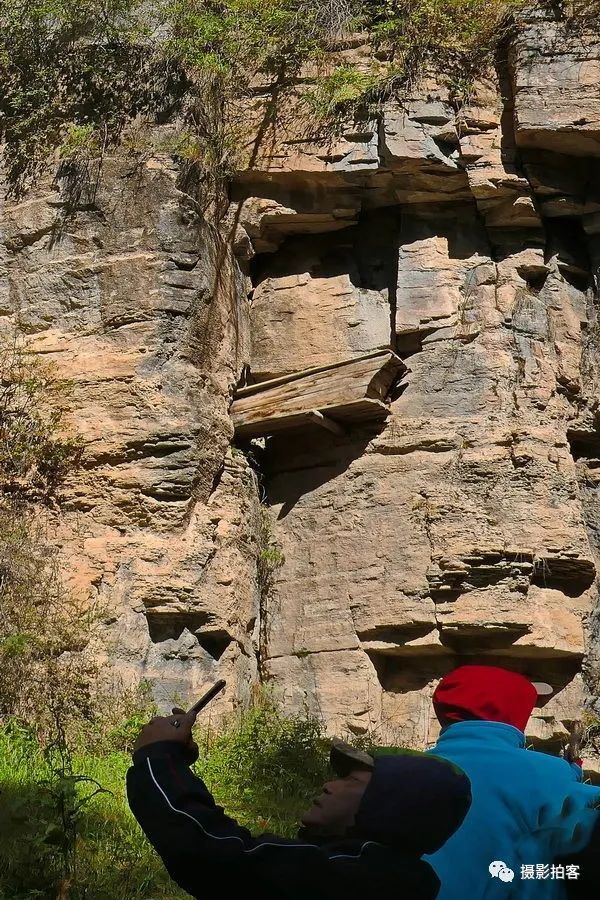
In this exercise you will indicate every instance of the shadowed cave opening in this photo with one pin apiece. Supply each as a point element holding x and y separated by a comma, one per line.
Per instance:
<point>357,251</point>
<point>170,627</point>
<point>397,674</point>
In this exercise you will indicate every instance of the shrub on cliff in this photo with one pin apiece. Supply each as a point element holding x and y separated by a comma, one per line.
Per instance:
<point>42,627</point>
<point>48,688</point>
<point>36,449</point>
<point>74,73</point>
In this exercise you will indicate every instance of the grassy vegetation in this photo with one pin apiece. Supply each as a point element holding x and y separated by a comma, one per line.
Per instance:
<point>75,73</point>
<point>265,768</point>
<point>71,835</point>
<point>453,40</point>
<point>109,855</point>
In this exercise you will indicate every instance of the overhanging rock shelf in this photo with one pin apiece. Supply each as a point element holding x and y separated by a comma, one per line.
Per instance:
<point>353,390</point>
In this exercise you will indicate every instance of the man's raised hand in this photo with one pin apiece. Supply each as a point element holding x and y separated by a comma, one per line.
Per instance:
<point>176,727</point>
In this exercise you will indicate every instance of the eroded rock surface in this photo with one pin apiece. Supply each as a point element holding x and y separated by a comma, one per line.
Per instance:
<point>466,238</point>
<point>135,301</point>
<point>465,529</point>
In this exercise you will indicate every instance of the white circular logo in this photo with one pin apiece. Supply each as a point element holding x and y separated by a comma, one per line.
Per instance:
<point>499,869</point>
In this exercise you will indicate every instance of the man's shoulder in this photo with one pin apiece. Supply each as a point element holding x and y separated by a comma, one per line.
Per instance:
<point>473,755</point>
<point>554,764</point>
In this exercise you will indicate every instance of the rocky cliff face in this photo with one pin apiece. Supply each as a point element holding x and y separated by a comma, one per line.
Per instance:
<point>468,527</point>
<point>136,300</point>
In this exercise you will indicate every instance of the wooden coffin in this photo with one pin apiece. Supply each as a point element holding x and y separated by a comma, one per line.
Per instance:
<point>331,396</point>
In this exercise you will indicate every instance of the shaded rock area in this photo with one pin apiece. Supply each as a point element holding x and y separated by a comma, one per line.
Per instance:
<point>466,238</point>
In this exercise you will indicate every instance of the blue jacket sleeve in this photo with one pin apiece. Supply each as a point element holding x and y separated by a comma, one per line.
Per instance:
<point>587,885</point>
<point>577,771</point>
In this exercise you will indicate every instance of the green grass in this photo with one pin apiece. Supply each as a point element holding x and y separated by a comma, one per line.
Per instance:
<point>264,769</point>
<point>112,859</point>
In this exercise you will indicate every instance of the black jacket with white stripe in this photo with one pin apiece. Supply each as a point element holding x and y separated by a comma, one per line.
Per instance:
<point>203,849</point>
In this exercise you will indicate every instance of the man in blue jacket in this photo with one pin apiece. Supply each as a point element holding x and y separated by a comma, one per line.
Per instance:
<point>362,838</point>
<point>528,808</point>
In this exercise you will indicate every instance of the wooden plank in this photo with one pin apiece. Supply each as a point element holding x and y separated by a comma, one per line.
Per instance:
<point>356,377</point>
<point>334,384</point>
<point>302,373</point>
<point>386,377</point>
<point>325,422</point>
<point>358,411</point>
<point>310,393</point>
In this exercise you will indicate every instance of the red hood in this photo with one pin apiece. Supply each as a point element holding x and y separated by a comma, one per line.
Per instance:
<point>485,692</point>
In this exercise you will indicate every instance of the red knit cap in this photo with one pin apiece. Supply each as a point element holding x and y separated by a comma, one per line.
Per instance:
<point>485,692</point>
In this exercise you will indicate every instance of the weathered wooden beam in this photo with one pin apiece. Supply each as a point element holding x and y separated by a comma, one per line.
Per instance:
<point>325,422</point>
<point>261,386</point>
<point>357,411</point>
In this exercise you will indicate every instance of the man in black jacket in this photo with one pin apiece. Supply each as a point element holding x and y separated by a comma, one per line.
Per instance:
<point>362,838</point>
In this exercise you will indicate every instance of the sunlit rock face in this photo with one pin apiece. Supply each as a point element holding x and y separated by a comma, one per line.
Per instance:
<point>464,528</point>
<point>133,299</point>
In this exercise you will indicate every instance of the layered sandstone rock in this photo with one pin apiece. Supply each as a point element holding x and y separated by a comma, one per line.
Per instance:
<point>463,530</point>
<point>133,299</point>
<point>555,73</point>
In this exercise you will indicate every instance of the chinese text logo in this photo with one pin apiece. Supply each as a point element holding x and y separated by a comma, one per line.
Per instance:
<point>541,871</point>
